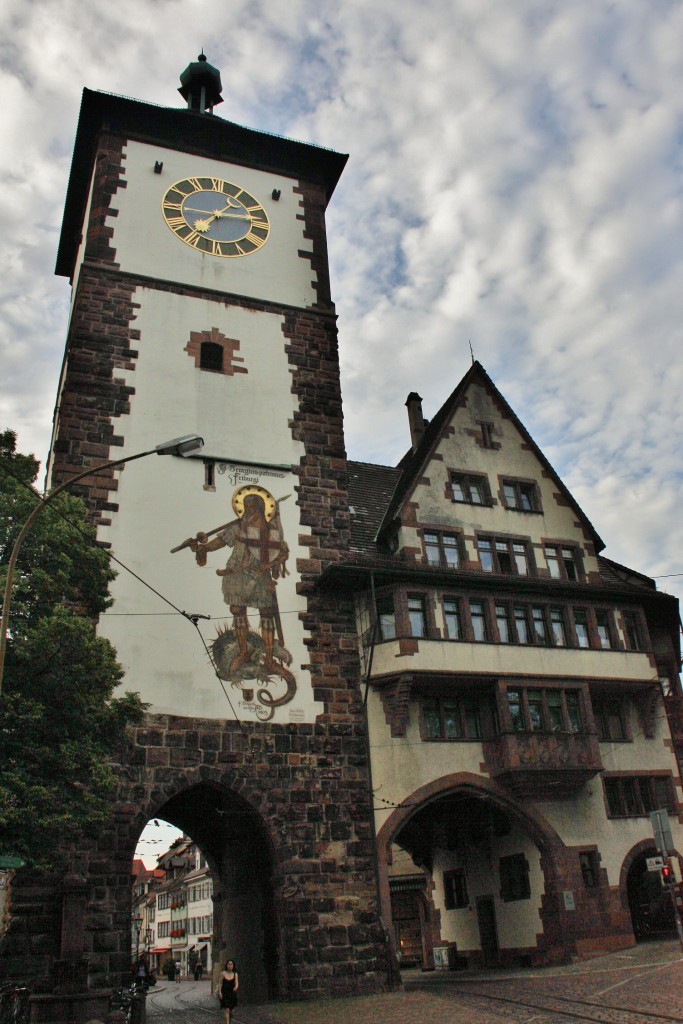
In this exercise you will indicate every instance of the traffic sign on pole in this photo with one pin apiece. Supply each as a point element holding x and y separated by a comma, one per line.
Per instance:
<point>662,831</point>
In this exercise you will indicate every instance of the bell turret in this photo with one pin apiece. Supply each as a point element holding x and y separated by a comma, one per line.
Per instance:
<point>200,85</point>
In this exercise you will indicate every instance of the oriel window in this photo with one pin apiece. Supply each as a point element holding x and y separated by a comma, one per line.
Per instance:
<point>417,615</point>
<point>452,618</point>
<point>386,616</point>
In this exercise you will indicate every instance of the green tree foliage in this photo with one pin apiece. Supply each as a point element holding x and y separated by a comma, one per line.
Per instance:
<point>60,725</point>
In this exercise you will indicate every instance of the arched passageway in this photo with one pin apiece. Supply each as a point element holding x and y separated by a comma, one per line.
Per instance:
<point>503,887</point>
<point>649,903</point>
<point>288,842</point>
<point>486,880</point>
<point>237,848</point>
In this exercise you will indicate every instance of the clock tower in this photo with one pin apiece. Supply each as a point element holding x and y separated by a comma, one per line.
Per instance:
<point>201,304</point>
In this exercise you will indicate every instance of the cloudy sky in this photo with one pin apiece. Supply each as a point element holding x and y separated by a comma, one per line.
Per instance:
<point>515,182</point>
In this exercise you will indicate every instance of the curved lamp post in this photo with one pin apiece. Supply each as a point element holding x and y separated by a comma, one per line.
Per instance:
<point>178,446</point>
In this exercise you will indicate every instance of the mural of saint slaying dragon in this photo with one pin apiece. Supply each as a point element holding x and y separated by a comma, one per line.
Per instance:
<point>258,559</point>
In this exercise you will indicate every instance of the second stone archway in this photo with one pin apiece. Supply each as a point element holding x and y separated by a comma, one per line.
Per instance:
<point>517,888</point>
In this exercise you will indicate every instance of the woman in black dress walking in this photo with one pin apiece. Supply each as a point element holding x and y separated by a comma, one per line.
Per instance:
<point>229,985</point>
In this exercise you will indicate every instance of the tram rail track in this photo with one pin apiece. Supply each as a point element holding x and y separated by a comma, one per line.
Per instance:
<point>586,1010</point>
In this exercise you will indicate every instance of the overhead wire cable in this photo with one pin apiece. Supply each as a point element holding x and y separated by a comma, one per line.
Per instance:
<point>93,541</point>
<point>195,623</point>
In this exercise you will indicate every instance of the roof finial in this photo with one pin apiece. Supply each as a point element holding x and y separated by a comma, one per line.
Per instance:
<point>200,85</point>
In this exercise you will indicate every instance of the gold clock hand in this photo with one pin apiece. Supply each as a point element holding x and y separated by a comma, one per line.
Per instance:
<point>217,213</point>
<point>204,223</point>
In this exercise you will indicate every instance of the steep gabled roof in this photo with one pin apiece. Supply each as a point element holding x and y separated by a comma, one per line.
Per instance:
<point>413,463</point>
<point>370,491</point>
<point>138,867</point>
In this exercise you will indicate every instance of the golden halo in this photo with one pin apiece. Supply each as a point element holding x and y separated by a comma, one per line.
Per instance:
<point>270,504</point>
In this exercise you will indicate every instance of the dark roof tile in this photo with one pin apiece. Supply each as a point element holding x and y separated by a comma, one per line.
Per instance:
<point>370,491</point>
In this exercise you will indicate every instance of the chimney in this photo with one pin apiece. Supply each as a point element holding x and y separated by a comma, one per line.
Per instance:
<point>415,418</point>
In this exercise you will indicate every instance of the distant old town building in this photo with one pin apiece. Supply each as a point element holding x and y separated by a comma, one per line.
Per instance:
<point>172,918</point>
<point>408,714</point>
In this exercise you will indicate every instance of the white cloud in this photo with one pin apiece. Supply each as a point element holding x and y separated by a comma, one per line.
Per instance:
<point>515,180</point>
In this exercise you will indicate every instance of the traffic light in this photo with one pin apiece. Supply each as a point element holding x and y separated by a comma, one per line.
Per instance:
<point>667,874</point>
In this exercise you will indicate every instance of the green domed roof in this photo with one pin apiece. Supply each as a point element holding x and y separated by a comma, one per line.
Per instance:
<point>201,82</point>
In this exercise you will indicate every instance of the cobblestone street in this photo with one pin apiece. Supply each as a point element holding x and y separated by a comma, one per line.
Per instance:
<point>642,985</point>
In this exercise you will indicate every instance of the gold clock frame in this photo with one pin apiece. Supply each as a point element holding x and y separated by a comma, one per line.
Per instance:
<point>233,197</point>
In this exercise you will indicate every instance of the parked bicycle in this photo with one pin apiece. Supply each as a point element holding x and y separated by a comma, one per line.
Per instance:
<point>14,1007</point>
<point>130,999</point>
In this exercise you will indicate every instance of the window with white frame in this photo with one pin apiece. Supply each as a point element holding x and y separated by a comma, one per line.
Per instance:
<point>501,554</point>
<point>442,549</point>
<point>473,489</point>
<point>521,495</point>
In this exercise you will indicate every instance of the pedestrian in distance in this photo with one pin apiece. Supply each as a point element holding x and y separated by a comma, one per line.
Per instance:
<point>228,990</point>
<point>141,973</point>
<point>178,969</point>
<point>198,968</point>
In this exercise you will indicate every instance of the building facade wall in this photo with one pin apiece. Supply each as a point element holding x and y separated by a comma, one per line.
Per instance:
<point>420,660</point>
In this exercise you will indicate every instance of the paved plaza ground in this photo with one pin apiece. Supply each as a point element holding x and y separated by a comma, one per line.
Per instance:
<point>643,985</point>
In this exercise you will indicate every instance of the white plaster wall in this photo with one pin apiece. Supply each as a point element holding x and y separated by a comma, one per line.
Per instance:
<point>163,501</point>
<point>244,416</point>
<point>161,653</point>
<point>643,753</point>
<point>518,922</point>
<point>400,765</point>
<point>145,244</point>
<point>583,822</point>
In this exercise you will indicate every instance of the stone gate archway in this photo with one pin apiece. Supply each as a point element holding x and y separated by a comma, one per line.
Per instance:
<point>239,851</point>
<point>300,830</point>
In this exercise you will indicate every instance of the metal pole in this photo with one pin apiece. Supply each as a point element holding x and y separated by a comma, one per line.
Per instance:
<point>139,1005</point>
<point>671,886</point>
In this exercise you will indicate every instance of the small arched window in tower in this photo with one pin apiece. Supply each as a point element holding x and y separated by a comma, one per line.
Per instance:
<point>211,356</point>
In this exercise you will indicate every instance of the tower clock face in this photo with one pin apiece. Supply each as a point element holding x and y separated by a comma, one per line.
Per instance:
<point>215,217</point>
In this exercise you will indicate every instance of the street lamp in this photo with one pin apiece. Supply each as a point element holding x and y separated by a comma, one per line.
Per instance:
<point>137,926</point>
<point>183,446</point>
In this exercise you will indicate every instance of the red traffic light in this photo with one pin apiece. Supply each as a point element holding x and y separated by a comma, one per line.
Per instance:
<point>666,873</point>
